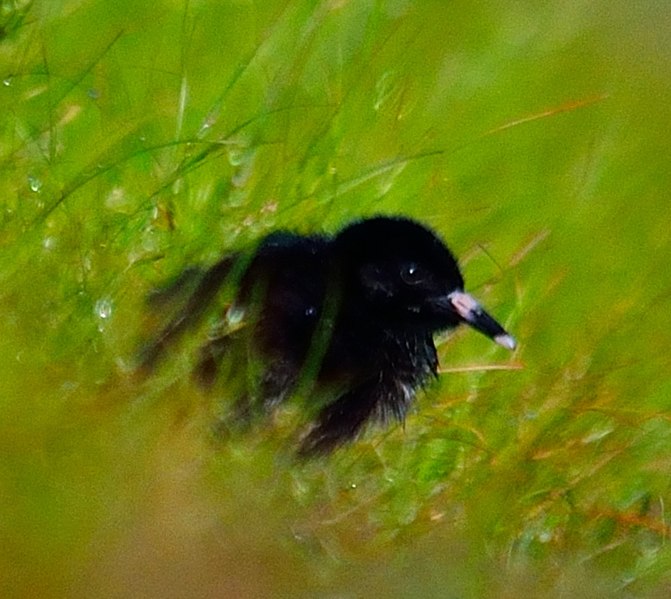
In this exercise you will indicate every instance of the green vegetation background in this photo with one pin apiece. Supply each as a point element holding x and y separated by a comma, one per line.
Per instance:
<point>137,138</point>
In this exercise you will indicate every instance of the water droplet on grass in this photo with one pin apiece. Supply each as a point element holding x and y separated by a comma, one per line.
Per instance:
<point>34,183</point>
<point>103,310</point>
<point>235,156</point>
<point>235,315</point>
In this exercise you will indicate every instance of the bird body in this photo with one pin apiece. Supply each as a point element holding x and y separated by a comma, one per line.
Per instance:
<point>356,311</point>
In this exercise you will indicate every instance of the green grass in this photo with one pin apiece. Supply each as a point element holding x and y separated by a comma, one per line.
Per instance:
<point>139,138</point>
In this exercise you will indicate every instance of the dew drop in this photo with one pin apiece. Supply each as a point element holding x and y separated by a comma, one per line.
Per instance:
<point>34,183</point>
<point>103,308</point>
<point>235,156</point>
<point>235,315</point>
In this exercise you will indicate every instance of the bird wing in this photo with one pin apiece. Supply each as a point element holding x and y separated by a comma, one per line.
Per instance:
<point>201,288</point>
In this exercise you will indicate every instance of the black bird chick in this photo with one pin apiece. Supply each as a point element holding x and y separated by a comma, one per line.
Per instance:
<point>355,312</point>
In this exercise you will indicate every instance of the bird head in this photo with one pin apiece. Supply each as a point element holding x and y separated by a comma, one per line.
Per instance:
<point>400,273</point>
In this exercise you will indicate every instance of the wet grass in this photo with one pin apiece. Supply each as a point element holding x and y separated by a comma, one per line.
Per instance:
<point>140,139</point>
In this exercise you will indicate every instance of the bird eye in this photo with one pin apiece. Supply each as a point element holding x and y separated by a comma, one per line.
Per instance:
<point>412,274</point>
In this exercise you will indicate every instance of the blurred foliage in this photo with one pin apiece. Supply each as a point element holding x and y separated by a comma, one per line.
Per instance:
<point>140,138</point>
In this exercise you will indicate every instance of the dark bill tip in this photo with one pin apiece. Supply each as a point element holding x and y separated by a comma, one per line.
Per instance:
<point>472,313</point>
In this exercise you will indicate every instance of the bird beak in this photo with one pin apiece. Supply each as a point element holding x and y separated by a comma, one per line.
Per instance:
<point>472,313</point>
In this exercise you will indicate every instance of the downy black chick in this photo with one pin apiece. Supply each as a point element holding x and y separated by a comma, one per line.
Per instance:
<point>355,312</point>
